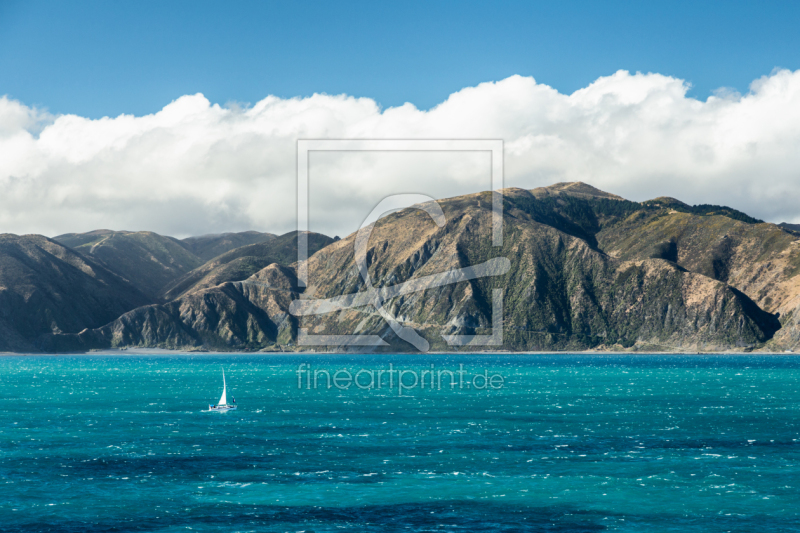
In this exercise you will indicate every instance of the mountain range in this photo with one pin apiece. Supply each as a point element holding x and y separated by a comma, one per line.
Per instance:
<point>579,269</point>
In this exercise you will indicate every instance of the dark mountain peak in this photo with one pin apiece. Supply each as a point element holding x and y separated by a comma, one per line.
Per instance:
<point>668,202</point>
<point>148,260</point>
<point>207,247</point>
<point>225,234</point>
<point>242,262</point>
<point>73,240</point>
<point>574,188</point>
<point>790,227</point>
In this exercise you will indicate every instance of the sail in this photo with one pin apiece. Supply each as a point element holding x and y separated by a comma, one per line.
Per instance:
<point>224,399</point>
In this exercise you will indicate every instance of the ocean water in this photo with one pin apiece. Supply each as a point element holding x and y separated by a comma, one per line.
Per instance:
<point>566,443</point>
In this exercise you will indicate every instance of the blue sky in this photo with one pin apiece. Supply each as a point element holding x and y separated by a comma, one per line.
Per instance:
<point>183,165</point>
<point>106,58</point>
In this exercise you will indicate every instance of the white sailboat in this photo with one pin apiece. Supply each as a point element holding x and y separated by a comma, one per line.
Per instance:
<point>223,405</point>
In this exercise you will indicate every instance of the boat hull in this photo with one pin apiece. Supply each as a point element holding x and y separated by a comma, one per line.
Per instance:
<point>221,408</point>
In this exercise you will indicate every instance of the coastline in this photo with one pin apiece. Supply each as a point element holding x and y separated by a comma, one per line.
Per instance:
<point>311,353</point>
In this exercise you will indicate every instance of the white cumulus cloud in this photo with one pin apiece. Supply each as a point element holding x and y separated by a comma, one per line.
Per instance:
<point>196,167</point>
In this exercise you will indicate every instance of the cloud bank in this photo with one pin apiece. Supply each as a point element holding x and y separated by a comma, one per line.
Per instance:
<point>196,167</point>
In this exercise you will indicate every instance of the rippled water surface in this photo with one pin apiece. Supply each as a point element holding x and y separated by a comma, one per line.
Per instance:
<point>569,443</point>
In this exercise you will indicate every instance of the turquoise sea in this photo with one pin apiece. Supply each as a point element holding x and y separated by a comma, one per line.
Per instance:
<point>568,443</point>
